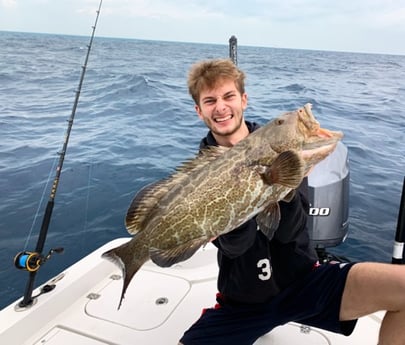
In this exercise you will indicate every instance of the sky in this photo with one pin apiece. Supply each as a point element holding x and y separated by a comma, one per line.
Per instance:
<point>369,26</point>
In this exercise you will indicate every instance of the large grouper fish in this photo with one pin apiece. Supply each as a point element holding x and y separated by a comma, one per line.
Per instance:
<point>221,189</point>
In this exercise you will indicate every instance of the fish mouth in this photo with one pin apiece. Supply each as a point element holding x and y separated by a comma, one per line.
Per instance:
<point>326,133</point>
<point>318,151</point>
<point>315,135</point>
<point>322,137</point>
<point>320,145</point>
<point>313,156</point>
<point>319,142</point>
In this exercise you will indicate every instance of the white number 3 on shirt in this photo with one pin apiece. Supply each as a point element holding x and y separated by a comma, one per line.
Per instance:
<point>264,265</point>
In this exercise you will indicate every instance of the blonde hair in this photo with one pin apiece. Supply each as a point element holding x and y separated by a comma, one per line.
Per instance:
<point>206,74</point>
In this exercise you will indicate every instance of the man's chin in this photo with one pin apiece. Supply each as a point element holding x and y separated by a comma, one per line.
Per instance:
<point>224,132</point>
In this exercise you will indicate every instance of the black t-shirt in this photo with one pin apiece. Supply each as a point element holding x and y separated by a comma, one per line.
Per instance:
<point>252,269</point>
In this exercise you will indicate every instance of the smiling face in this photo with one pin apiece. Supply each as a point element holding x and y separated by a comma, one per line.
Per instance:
<point>221,108</point>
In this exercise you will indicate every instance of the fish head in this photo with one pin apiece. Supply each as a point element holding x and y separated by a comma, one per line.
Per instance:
<point>317,142</point>
<point>299,131</point>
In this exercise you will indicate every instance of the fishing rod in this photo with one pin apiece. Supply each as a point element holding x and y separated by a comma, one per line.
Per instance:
<point>32,261</point>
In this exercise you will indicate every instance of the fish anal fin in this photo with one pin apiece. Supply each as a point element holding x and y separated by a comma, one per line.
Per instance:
<point>269,219</point>
<point>287,170</point>
<point>169,257</point>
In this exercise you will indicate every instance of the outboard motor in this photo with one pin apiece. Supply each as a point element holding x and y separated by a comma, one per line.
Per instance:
<point>329,199</point>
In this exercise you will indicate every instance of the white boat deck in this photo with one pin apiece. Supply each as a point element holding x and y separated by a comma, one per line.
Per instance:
<point>160,304</point>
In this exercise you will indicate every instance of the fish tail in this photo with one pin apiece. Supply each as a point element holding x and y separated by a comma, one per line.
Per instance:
<point>129,263</point>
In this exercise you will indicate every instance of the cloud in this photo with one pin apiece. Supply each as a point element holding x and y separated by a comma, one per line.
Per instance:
<point>158,9</point>
<point>307,24</point>
<point>392,18</point>
<point>8,3</point>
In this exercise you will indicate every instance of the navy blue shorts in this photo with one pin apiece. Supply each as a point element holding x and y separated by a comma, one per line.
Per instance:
<point>313,301</point>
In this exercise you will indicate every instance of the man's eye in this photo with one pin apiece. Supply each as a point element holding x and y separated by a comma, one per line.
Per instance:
<point>209,101</point>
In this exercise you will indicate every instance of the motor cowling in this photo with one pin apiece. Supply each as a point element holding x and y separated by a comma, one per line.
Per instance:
<point>328,193</point>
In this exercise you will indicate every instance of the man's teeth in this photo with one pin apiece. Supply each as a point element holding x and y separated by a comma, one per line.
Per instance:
<point>223,119</point>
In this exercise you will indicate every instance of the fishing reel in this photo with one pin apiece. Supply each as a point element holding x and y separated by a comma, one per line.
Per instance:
<point>32,261</point>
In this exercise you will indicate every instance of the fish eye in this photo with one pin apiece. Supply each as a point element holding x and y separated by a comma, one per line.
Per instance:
<point>279,122</point>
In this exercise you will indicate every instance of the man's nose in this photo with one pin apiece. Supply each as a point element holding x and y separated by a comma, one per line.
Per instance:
<point>220,105</point>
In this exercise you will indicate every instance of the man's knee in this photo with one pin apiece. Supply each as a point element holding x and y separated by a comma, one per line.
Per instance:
<point>371,287</point>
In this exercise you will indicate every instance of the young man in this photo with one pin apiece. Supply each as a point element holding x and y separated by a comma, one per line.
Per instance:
<point>266,283</point>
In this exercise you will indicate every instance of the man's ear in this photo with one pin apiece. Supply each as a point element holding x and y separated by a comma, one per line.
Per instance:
<point>198,111</point>
<point>244,101</point>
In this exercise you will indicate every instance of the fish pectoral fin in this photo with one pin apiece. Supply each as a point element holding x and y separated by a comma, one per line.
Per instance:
<point>169,257</point>
<point>286,170</point>
<point>269,219</point>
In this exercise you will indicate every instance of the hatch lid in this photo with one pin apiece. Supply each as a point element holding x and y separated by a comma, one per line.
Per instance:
<point>150,299</point>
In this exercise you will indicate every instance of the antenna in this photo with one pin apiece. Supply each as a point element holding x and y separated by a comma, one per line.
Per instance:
<point>233,49</point>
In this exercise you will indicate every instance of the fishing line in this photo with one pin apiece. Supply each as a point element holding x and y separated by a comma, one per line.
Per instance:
<point>87,201</point>
<point>41,201</point>
<point>32,261</point>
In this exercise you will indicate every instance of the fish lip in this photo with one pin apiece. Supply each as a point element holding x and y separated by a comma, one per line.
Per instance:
<point>321,137</point>
<point>326,133</point>
<point>308,119</point>
<point>314,147</point>
<point>318,144</point>
<point>314,155</point>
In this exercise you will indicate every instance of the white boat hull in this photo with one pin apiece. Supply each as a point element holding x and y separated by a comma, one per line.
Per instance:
<point>160,304</point>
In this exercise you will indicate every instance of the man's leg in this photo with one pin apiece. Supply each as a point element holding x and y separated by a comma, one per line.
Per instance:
<point>371,287</point>
<point>226,324</point>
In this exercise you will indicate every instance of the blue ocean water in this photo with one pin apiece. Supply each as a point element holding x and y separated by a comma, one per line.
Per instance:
<point>135,123</point>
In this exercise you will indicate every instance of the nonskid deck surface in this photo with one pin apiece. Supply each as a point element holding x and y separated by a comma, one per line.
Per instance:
<point>160,304</point>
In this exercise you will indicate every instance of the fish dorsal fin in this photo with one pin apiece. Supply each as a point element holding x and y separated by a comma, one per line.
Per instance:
<point>148,197</point>
<point>143,202</point>
<point>206,156</point>
<point>169,257</point>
